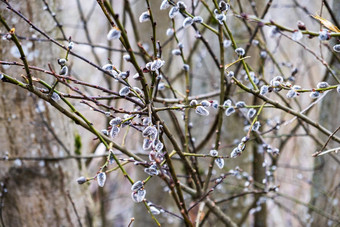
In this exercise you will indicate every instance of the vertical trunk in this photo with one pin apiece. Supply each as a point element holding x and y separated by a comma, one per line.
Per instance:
<point>34,193</point>
<point>325,193</point>
<point>260,218</point>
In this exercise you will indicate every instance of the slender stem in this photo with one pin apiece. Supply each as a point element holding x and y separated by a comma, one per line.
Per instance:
<point>287,110</point>
<point>21,51</point>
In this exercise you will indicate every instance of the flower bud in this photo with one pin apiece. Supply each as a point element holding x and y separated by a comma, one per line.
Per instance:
<point>227,43</point>
<point>114,33</point>
<point>215,104</point>
<point>151,171</point>
<point>181,5</point>
<point>114,131</point>
<point>137,185</point>
<point>223,6</point>
<point>144,17</point>
<point>240,104</point>
<point>205,103</point>
<point>186,67</point>
<point>201,111</point>
<point>230,74</point>
<point>61,61</point>
<point>63,71</point>
<point>173,12</point>
<point>81,180</point>
<point>138,196</point>
<point>322,85</point>
<point>154,210</point>
<point>301,25</point>
<point>176,52</point>
<point>107,67</point>
<point>240,51</point>
<point>292,94</point>
<point>314,95</point>
<point>219,162</point>
<point>187,22</point>
<point>227,103</point>
<point>115,121</point>
<point>251,113</point>
<point>214,153</point>
<point>55,97</point>
<point>229,111</point>
<point>256,126</point>
<point>235,153</point>
<point>70,45</point>
<point>124,91</point>
<point>336,48</point>
<point>297,35</point>
<point>101,178</point>
<point>147,144</point>
<point>264,90</point>
<point>324,35</point>
<point>198,19</point>
<point>164,5</point>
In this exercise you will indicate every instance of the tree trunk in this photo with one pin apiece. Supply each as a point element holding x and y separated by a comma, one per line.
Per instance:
<point>326,181</point>
<point>34,193</point>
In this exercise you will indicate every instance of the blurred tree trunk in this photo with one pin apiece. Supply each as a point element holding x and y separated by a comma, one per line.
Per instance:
<point>326,181</point>
<point>35,193</point>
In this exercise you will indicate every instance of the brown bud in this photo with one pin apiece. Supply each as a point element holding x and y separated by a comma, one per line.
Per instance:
<point>301,25</point>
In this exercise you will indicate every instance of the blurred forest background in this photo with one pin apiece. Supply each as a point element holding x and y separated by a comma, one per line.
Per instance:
<point>43,152</point>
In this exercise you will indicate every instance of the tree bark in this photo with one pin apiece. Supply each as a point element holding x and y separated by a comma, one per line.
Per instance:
<point>326,181</point>
<point>35,193</point>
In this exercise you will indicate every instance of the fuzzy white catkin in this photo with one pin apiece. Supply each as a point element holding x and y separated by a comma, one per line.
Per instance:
<point>223,6</point>
<point>314,95</point>
<point>214,153</point>
<point>114,131</point>
<point>251,113</point>
<point>229,111</point>
<point>169,32</point>
<point>64,71</point>
<point>322,85</point>
<point>227,43</point>
<point>124,91</point>
<point>164,5</point>
<point>107,67</point>
<point>336,48</point>
<point>193,102</point>
<point>291,94</point>
<point>198,19</point>
<point>154,210</point>
<point>201,111</point>
<point>114,33</point>
<point>101,178</point>
<point>181,5</point>
<point>186,67</point>
<point>240,51</point>
<point>145,16</point>
<point>219,162</point>
<point>297,35</point>
<point>138,196</point>
<point>205,103</point>
<point>187,22</point>
<point>264,89</point>
<point>173,12</point>
<point>137,185</point>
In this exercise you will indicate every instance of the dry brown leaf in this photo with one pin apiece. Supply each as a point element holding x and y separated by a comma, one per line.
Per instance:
<point>240,59</point>
<point>326,23</point>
